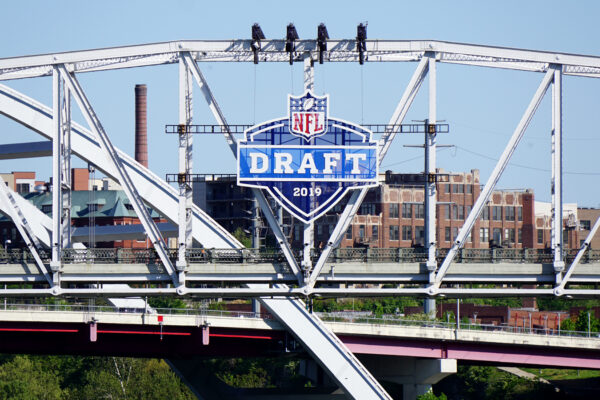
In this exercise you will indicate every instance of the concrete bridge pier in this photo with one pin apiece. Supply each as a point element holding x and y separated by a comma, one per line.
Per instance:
<point>416,375</point>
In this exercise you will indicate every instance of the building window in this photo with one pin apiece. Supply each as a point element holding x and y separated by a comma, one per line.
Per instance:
<point>419,211</point>
<point>540,236</point>
<point>458,188</point>
<point>485,214</point>
<point>497,235</point>
<point>509,235</point>
<point>361,231</point>
<point>406,210</point>
<point>448,188</point>
<point>468,210</point>
<point>393,232</point>
<point>349,232</point>
<point>565,235</point>
<point>509,213</point>
<point>420,234</point>
<point>585,224</point>
<point>520,235</point>
<point>296,232</point>
<point>393,210</point>
<point>22,188</point>
<point>497,213</point>
<point>367,209</point>
<point>454,233</point>
<point>446,211</point>
<point>407,233</point>
<point>469,189</point>
<point>454,211</point>
<point>484,235</point>
<point>461,212</point>
<point>520,213</point>
<point>447,237</point>
<point>375,232</point>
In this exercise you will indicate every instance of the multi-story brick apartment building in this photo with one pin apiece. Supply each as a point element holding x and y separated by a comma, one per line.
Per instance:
<point>392,215</point>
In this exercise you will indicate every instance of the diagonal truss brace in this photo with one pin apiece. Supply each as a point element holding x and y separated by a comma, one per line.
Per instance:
<point>258,194</point>
<point>483,198</point>
<point>358,195</point>
<point>14,212</point>
<point>560,289</point>
<point>123,176</point>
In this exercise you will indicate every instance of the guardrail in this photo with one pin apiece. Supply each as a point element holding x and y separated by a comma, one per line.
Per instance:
<point>346,317</point>
<point>254,256</point>
<point>84,308</point>
<point>434,324</point>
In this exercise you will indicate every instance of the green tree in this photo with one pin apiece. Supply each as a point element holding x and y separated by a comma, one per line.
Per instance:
<point>240,235</point>
<point>22,379</point>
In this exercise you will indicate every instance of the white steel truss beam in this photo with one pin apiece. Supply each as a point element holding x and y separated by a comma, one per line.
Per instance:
<point>231,141</point>
<point>157,193</point>
<point>185,168</point>
<point>358,195</point>
<point>560,289</point>
<point>556,186</point>
<point>123,176</point>
<point>10,206</point>
<point>483,198</point>
<point>430,194</point>
<point>57,154</point>
<point>67,184</point>
<point>274,51</point>
<point>326,348</point>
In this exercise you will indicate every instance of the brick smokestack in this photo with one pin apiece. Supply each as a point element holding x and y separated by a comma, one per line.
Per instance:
<point>141,129</point>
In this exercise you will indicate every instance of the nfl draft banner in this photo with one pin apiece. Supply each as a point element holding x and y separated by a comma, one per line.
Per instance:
<point>308,160</point>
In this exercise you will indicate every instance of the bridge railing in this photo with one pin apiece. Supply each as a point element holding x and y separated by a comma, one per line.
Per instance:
<point>90,309</point>
<point>346,317</point>
<point>361,318</point>
<point>255,256</point>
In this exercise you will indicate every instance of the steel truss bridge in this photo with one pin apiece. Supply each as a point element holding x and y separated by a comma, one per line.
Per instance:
<point>54,272</point>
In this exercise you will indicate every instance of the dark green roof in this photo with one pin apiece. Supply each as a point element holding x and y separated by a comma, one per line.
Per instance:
<point>110,203</point>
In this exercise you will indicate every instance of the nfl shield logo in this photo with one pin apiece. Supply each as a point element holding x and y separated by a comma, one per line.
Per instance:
<point>308,115</point>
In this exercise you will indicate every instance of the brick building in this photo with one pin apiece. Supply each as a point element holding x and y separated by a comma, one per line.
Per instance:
<point>392,215</point>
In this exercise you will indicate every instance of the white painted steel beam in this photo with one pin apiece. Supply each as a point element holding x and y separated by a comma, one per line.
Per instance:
<point>429,186</point>
<point>326,348</point>
<point>483,198</point>
<point>57,126</point>
<point>274,51</point>
<point>155,191</point>
<point>560,289</point>
<point>556,186</point>
<point>185,168</point>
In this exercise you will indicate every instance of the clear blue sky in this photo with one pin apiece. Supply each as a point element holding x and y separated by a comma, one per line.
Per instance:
<point>482,106</point>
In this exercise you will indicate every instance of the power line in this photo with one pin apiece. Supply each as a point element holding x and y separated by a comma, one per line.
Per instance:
<point>493,132</point>
<point>526,166</point>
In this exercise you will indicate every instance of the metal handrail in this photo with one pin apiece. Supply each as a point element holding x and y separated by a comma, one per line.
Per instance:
<point>255,256</point>
<point>345,317</point>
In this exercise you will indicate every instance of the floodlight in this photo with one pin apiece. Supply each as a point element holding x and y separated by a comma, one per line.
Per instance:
<point>290,38</point>
<point>322,36</point>
<point>257,36</point>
